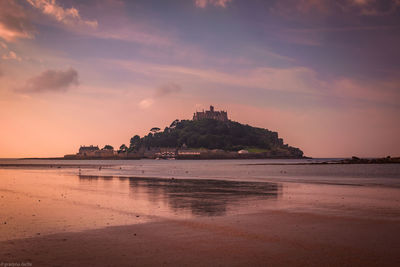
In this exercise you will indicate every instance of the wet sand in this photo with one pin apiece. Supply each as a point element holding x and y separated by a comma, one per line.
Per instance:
<point>272,238</point>
<point>65,217</point>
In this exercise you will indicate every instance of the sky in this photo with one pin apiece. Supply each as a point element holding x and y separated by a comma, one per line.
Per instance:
<point>324,74</point>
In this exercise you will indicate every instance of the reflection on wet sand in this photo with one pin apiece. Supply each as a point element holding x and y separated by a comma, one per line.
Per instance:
<point>200,197</point>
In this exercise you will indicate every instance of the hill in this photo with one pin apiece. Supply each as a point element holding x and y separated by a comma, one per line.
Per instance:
<point>215,134</point>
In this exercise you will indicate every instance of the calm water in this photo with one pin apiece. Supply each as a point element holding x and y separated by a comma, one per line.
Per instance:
<point>40,197</point>
<point>276,170</point>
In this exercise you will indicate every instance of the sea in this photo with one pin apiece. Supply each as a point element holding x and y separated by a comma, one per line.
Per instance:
<point>41,196</point>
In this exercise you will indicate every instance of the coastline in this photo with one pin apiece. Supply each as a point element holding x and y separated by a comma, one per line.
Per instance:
<point>18,162</point>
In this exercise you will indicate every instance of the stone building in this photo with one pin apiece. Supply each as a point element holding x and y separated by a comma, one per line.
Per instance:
<point>211,114</point>
<point>95,152</point>
<point>88,151</point>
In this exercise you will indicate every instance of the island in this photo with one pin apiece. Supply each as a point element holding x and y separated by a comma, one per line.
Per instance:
<point>208,135</point>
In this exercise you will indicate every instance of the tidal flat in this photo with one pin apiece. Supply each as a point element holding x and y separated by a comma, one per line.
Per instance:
<point>228,212</point>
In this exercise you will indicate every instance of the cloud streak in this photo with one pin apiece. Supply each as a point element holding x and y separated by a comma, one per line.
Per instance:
<point>324,8</point>
<point>163,91</point>
<point>146,103</point>
<point>68,16</point>
<point>217,3</point>
<point>168,89</point>
<point>375,7</point>
<point>295,79</point>
<point>11,55</point>
<point>14,22</point>
<point>51,81</point>
<point>133,33</point>
<point>298,80</point>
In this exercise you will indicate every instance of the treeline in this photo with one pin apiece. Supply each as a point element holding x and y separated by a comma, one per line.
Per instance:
<point>211,134</point>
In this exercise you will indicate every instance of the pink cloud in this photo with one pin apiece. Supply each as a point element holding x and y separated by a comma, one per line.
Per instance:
<point>310,38</point>
<point>295,79</point>
<point>381,91</point>
<point>291,8</point>
<point>8,54</point>
<point>11,55</point>
<point>322,8</point>
<point>51,80</point>
<point>14,22</point>
<point>361,2</point>
<point>146,103</point>
<point>68,16</point>
<point>374,7</point>
<point>163,91</point>
<point>134,34</point>
<point>218,3</point>
<point>168,89</point>
<point>116,23</point>
<point>300,80</point>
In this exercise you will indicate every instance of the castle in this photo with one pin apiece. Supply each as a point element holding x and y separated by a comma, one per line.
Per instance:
<point>95,152</point>
<point>211,114</point>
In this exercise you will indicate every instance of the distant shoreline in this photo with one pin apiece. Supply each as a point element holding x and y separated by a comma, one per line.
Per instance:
<point>354,160</point>
<point>87,162</point>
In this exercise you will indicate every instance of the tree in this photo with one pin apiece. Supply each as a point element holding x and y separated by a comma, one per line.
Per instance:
<point>213,134</point>
<point>123,148</point>
<point>108,147</point>
<point>134,143</point>
<point>155,129</point>
<point>174,123</point>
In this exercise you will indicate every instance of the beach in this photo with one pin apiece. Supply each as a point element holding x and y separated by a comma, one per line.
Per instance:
<point>237,213</point>
<point>264,239</point>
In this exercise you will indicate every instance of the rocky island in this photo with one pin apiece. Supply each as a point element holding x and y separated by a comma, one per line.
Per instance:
<point>209,135</point>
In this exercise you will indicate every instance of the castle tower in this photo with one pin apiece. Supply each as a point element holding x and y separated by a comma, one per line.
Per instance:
<point>211,114</point>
